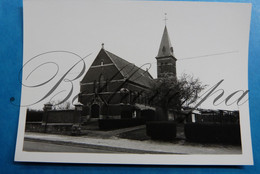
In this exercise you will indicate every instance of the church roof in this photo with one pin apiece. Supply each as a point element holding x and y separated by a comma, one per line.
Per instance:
<point>130,71</point>
<point>166,48</point>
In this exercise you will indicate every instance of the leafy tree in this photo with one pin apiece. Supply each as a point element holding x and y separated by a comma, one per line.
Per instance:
<point>168,92</point>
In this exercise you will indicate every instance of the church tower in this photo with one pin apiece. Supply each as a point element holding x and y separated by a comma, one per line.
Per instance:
<point>166,61</point>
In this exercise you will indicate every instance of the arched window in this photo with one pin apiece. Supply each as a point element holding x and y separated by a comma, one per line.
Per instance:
<point>162,67</point>
<point>107,87</point>
<point>102,62</point>
<point>163,49</point>
<point>171,50</point>
<point>101,78</point>
<point>102,83</point>
<point>94,86</point>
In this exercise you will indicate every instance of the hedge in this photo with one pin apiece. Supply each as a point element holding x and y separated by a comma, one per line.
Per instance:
<point>34,116</point>
<point>33,127</point>
<point>161,130</point>
<point>148,115</point>
<point>108,124</point>
<point>213,132</point>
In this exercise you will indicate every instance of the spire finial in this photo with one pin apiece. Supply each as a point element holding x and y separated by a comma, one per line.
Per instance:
<point>102,45</point>
<point>165,18</point>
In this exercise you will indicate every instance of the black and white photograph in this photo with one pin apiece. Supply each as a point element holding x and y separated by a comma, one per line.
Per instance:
<point>134,82</point>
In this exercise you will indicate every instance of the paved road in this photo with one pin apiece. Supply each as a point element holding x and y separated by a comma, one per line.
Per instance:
<point>50,147</point>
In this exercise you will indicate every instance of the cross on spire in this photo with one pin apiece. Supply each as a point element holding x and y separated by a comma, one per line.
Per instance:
<point>165,18</point>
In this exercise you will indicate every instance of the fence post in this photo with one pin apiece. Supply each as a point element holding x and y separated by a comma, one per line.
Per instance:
<point>76,130</point>
<point>47,107</point>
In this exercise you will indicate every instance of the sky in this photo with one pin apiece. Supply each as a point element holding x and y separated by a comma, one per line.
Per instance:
<point>210,41</point>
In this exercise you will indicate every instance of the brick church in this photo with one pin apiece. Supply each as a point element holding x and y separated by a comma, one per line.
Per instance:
<point>114,87</point>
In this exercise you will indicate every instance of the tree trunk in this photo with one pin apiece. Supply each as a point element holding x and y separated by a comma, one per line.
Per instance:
<point>165,114</point>
<point>161,114</point>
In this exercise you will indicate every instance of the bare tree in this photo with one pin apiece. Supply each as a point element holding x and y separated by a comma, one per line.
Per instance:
<point>168,92</point>
<point>58,105</point>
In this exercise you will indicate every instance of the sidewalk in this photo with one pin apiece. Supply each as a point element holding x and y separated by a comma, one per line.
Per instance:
<point>132,146</point>
<point>109,133</point>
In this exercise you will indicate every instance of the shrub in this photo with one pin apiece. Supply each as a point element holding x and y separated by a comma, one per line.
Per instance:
<point>33,127</point>
<point>107,124</point>
<point>148,115</point>
<point>126,114</point>
<point>34,116</point>
<point>213,132</point>
<point>161,130</point>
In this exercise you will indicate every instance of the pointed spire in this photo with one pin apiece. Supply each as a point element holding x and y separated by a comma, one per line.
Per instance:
<point>165,46</point>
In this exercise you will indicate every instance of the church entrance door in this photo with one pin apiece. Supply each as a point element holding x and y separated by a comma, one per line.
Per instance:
<point>95,111</point>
